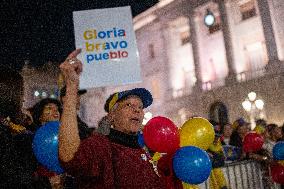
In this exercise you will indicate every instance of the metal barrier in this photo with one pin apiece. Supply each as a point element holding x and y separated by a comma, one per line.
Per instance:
<point>244,175</point>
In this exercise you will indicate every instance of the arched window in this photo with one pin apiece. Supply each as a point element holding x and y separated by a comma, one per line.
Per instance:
<point>218,112</point>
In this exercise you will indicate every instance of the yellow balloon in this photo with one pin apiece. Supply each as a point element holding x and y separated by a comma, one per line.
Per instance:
<point>189,186</point>
<point>216,146</point>
<point>217,179</point>
<point>281,162</point>
<point>197,132</point>
<point>259,129</point>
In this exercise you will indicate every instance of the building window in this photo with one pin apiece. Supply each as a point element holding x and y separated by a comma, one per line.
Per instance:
<point>247,9</point>
<point>207,86</point>
<point>241,76</point>
<point>216,26</point>
<point>184,37</point>
<point>255,56</point>
<point>218,113</point>
<point>151,50</point>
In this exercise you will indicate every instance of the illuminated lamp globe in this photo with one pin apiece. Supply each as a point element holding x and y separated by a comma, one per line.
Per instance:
<point>252,96</point>
<point>247,105</point>
<point>259,104</point>
<point>209,18</point>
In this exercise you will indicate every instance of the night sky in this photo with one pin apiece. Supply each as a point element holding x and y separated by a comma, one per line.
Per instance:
<point>42,30</point>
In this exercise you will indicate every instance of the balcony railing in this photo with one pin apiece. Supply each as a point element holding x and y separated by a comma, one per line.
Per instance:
<point>209,85</point>
<point>241,77</point>
<point>248,75</point>
<point>181,92</point>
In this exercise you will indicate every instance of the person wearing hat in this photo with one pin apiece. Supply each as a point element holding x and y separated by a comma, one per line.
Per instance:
<point>241,128</point>
<point>115,160</point>
<point>84,130</point>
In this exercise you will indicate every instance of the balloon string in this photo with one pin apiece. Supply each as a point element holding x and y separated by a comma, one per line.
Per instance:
<point>153,159</point>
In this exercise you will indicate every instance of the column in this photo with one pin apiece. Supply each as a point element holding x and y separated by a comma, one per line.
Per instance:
<point>165,40</point>
<point>273,59</point>
<point>227,40</point>
<point>195,50</point>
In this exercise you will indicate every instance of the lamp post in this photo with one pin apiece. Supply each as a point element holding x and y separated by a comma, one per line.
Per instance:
<point>209,18</point>
<point>254,107</point>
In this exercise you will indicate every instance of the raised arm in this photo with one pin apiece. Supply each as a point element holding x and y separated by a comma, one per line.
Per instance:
<point>69,139</point>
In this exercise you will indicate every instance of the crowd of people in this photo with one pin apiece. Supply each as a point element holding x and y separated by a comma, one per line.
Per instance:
<point>111,156</point>
<point>22,170</point>
<point>233,135</point>
<point>231,138</point>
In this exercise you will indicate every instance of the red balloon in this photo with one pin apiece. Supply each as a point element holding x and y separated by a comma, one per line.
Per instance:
<point>161,135</point>
<point>277,173</point>
<point>252,142</point>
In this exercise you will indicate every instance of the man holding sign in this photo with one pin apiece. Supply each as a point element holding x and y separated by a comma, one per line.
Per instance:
<point>116,160</point>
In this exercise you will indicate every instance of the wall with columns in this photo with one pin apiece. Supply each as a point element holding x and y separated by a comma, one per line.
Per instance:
<point>245,34</point>
<point>176,72</point>
<point>277,14</point>
<point>241,34</point>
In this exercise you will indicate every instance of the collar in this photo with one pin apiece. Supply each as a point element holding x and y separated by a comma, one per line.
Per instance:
<point>123,138</point>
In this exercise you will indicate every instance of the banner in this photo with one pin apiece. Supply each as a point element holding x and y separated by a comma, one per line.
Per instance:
<point>109,50</point>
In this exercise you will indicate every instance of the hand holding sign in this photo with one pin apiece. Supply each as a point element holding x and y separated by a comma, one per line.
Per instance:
<point>71,68</point>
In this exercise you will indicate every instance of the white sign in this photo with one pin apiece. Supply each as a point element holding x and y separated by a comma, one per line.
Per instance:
<point>109,50</point>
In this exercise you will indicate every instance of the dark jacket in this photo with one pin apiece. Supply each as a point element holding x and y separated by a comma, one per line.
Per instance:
<point>236,140</point>
<point>23,145</point>
<point>84,130</point>
<point>15,172</point>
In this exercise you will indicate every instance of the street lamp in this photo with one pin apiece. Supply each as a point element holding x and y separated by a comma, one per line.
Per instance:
<point>259,104</point>
<point>246,105</point>
<point>252,96</point>
<point>209,18</point>
<point>254,107</point>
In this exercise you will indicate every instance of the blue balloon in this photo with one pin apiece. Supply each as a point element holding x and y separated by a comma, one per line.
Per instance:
<point>278,151</point>
<point>45,146</point>
<point>192,165</point>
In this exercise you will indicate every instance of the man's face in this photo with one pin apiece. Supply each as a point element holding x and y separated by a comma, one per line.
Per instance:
<point>127,117</point>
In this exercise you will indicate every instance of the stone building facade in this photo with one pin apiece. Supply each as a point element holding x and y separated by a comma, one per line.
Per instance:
<point>195,70</point>
<point>40,82</point>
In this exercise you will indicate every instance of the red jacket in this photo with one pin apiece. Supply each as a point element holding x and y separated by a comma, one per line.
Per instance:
<point>101,163</point>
